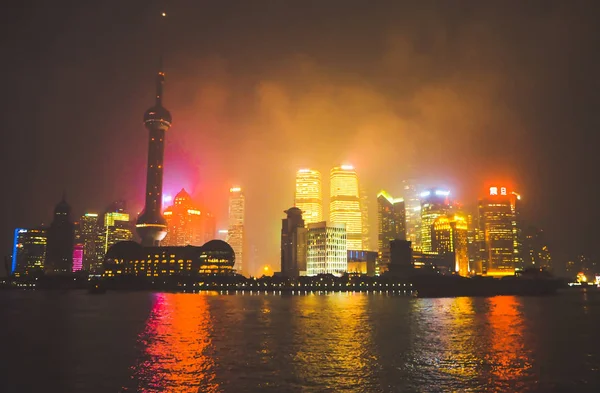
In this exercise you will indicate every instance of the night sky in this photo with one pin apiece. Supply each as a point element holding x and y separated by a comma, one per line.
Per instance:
<point>453,93</point>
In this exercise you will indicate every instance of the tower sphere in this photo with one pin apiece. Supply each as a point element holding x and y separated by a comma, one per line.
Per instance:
<point>158,115</point>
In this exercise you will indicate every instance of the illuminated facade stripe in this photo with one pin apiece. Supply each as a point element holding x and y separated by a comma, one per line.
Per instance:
<point>308,196</point>
<point>344,205</point>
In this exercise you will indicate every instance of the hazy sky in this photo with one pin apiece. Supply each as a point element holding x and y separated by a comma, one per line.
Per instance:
<point>455,93</point>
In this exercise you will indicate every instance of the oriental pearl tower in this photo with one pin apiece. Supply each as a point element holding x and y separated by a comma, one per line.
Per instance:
<point>151,225</point>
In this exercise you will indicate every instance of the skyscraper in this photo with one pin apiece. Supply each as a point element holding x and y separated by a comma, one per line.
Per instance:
<point>450,236</point>
<point>391,223</point>
<point>29,252</point>
<point>293,244</point>
<point>344,204</point>
<point>61,234</point>
<point>88,232</point>
<point>537,252</point>
<point>188,223</point>
<point>434,204</point>
<point>308,196</point>
<point>327,249</point>
<point>413,214</point>
<point>116,228</point>
<point>497,221</point>
<point>364,211</point>
<point>235,233</point>
<point>151,225</point>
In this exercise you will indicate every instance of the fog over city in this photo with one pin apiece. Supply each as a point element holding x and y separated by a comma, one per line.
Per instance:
<point>451,94</point>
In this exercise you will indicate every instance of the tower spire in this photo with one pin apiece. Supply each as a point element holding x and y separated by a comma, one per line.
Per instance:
<point>160,80</point>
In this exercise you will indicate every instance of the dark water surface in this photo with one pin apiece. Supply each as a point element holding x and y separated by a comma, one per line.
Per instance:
<point>154,342</point>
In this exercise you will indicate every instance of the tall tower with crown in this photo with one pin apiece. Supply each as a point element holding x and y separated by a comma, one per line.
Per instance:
<point>151,225</point>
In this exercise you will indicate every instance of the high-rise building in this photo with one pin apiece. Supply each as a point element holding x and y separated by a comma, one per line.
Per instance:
<point>116,228</point>
<point>344,204</point>
<point>87,233</point>
<point>435,203</point>
<point>327,249</point>
<point>151,225</point>
<point>235,233</point>
<point>29,252</point>
<point>366,226</point>
<point>188,223</point>
<point>61,235</point>
<point>450,236</point>
<point>77,257</point>
<point>391,223</point>
<point>537,253</point>
<point>413,214</point>
<point>308,196</point>
<point>293,244</point>
<point>497,222</point>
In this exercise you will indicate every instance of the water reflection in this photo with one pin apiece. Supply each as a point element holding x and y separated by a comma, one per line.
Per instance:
<point>334,343</point>
<point>175,345</point>
<point>509,356</point>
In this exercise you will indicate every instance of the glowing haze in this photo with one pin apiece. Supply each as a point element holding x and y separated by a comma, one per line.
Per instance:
<point>455,95</point>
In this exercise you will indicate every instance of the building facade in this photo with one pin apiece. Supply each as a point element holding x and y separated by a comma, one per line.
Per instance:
<point>434,203</point>
<point>29,252</point>
<point>450,236</point>
<point>187,223</point>
<point>235,232</point>
<point>293,244</point>
<point>308,195</point>
<point>412,204</point>
<point>362,262</point>
<point>61,237</point>
<point>87,234</point>
<point>536,250</point>
<point>345,206</point>
<point>327,251</point>
<point>391,223</point>
<point>131,259</point>
<point>498,227</point>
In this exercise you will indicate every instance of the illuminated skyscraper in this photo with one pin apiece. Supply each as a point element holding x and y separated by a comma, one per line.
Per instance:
<point>413,214</point>
<point>77,257</point>
<point>450,236</point>
<point>434,204</point>
<point>498,226</point>
<point>344,204</point>
<point>29,252</point>
<point>235,233</point>
<point>187,223</point>
<point>293,244</point>
<point>151,225</point>
<point>87,233</point>
<point>116,228</point>
<point>364,210</point>
<point>327,249</point>
<point>391,223</point>
<point>308,197</point>
<point>61,235</point>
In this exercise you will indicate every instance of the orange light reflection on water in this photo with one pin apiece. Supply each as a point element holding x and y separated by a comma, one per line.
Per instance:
<point>175,342</point>
<point>509,357</point>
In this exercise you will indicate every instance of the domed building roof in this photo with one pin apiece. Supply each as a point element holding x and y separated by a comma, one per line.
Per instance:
<point>217,245</point>
<point>293,211</point>
<point>129,250</point>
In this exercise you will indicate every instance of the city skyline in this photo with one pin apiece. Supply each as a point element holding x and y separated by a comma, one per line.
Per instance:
<point>221,107</point>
